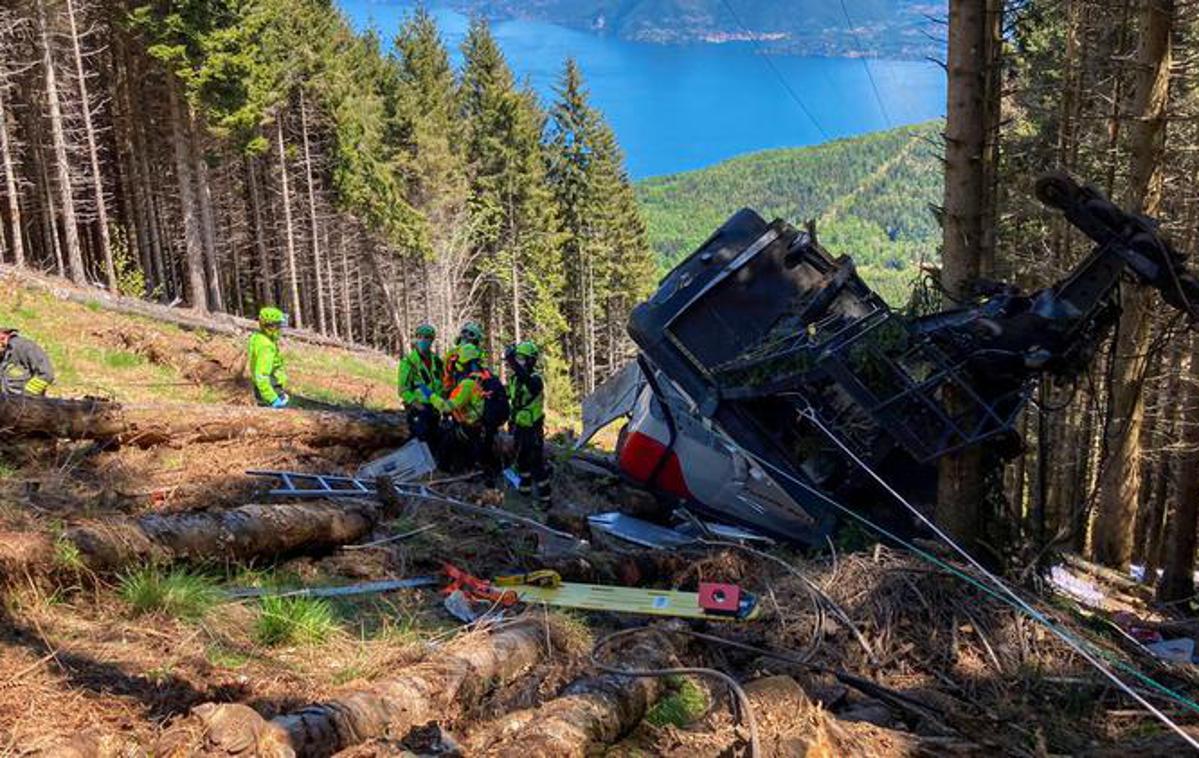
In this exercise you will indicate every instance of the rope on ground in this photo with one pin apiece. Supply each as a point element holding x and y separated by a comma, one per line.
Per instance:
<point>747,714</point>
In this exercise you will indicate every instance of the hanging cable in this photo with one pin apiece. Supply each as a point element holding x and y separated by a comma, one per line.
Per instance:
<point>866,65</point>
<point>1000,591</point>
<point>778,74</point>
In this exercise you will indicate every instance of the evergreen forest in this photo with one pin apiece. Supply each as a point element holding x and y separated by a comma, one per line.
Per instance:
<point>225,155</point>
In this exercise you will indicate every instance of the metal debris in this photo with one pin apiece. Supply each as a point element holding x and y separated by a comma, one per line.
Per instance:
<point>409,463</point>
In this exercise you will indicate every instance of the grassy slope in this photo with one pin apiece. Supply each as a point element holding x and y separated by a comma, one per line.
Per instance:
<point>90,360</point>
<point>857,188</point>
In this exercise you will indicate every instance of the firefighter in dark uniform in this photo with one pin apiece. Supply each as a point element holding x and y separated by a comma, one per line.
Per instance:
<point>25,368</point>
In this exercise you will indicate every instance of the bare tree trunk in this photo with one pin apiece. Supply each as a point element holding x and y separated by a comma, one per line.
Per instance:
<point>245,533</point>
<point>263,288</point>
<point>49,225</point>
<point>10,188</point>
<point>347,311</point>
<point>193,236</point>
<point>321,325</point>
<point>515,297</point>
<point>381,275</point>
<point>293,281</point>
<point>1116,512</point>
<point>588,713</point>
<point>89,132</point>
<point>460,675</point>
<point>1178,569</point>
<point>207,223</point>
<point>960,489</point>
<point>58,134</point>
<point>334,326</point>
<point>150,425</point>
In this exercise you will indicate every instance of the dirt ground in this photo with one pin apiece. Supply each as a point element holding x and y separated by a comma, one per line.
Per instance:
<point>953,671</point>
<point>75,658</point>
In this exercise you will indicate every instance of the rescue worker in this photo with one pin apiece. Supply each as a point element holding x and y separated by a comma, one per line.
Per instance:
<point>420,379</point>
<point>25,368</point>
<point>526,398</point>
<point>471,334</point>
<point>265,360</point>
<point>471,441</point>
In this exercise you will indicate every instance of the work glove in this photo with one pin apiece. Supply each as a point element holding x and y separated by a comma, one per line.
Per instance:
<point>280,402</point>
<point>426,392</point>
<point>37,386</point>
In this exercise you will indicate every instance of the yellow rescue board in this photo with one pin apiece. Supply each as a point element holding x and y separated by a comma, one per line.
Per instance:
<point>598,597</point>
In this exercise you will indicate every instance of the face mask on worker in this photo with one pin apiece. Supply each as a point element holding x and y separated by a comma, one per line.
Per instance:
<point>424,346</point>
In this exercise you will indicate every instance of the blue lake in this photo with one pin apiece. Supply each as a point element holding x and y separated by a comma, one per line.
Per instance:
<point>676,108</point>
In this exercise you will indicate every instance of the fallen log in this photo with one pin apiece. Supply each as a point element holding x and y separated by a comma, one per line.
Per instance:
<point>157,424</point>
<point>251,531</point>
<point>592,711</point>
<point>461,675</point>
<point>244,533</point>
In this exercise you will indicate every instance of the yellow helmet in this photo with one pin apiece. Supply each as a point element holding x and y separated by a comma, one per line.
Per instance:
<point>270,316</point>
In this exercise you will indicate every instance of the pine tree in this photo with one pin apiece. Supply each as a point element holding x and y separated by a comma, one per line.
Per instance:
<point>512,215</point>
<point>424,137</point>
<point>604,243</point>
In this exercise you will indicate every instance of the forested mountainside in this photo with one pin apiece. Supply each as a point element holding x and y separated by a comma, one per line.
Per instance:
<point>875,28</point>
<point>871,197</point>
<point>227,154</point>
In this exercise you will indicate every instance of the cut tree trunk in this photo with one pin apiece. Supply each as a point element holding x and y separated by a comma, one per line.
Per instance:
<point>589,712</point>
<point>425,692</point>
<point>251,531</point>
<point>244,533</point>
<point>150,425</point>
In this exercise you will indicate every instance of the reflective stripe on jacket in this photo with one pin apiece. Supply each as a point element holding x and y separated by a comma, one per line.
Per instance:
<point>24,366</point>
<point>265,363</point>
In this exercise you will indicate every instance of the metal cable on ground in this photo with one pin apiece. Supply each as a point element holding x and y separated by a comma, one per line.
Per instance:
<point>821,597</point>
<point>858,682</point>
<point>747,714</point>
<point>1008,596</point>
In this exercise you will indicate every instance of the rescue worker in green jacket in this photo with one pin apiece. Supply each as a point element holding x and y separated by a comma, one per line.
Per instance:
<point>265,360</point>
<point>420,380</point>
<point>468,444</point>
<point>471,334</point>
<point>25,368</point>
<point>526,399</point>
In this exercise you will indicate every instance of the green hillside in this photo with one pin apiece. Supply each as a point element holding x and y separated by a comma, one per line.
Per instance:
<point>870,196</point>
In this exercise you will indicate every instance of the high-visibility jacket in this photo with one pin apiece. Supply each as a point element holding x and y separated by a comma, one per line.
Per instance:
<point>526,396</point>
<point>24,368</point>
<point>416,372</point>
<point>265,362</point>
<point>466,401</point>
<point>448,364</point>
